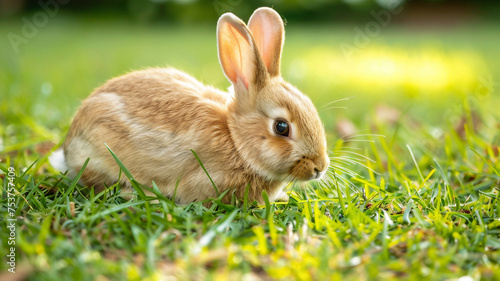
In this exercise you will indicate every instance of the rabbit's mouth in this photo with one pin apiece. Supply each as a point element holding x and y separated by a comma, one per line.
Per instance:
<point>310,168</point>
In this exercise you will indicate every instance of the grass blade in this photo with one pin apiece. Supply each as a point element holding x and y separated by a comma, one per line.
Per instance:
<point>487,162</point>
<point>406,214</point>
<point>76,179</point>
<point>207,238</point>
<point>127,173</point>
<point>268,204</point>
<point>203,167</point>
<point>415,162</point>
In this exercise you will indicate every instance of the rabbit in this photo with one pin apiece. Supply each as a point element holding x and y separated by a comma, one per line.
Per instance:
<point>263,132</point>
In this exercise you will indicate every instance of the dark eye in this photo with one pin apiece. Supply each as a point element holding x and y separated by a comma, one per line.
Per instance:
<point>282,128</point>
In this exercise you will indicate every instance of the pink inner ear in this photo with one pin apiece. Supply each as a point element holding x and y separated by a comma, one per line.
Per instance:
<point>266,45</point>
<point>239,56</point>
<point>267,30</point>
<point>235,51</point>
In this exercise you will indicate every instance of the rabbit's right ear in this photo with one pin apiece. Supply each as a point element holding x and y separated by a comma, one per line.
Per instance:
<point>269,34</point>
<point>238,55</point>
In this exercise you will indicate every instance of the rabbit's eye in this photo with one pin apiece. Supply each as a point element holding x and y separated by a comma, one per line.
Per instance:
<point>282,128</point>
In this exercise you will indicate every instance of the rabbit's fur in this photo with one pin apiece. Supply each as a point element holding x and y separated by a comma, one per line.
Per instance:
<point>153,118</point>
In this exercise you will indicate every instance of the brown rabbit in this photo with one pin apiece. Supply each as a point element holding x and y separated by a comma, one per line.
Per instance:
<point>264,132</point>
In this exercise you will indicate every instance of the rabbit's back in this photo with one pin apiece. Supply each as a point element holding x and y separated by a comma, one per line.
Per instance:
<point>167,98</point>
<point>151,119</point>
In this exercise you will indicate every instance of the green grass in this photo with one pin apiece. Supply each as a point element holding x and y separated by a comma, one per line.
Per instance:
<point>425,207</point>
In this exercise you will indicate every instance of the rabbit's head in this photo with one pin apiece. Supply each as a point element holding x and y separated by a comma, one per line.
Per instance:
<point>276,128</point>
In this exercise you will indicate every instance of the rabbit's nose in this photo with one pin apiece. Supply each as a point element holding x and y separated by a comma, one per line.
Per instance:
<point>321,163</point>
<point>318,173</point>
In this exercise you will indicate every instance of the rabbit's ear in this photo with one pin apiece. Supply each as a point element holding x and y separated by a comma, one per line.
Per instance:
<point>238,55</point>
<point>269,34</point>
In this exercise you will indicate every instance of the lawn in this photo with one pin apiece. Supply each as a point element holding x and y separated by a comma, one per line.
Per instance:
<point>413,125</point>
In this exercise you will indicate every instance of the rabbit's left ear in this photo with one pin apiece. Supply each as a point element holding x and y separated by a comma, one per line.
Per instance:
<point>238,55</point>
<point>269,34</point>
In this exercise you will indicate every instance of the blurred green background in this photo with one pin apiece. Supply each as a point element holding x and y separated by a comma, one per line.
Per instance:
<point>424,75</point>
<point>430,60</point>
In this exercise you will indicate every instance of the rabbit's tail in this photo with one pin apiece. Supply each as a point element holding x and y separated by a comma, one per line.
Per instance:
<point>58,161</point>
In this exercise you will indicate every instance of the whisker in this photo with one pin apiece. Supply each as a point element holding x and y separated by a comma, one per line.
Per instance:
<point>289,187</point>
<point>366,167</point>
<point>341,149</point>
<point>348,159</point>
<point>289,177</point>
<point>346,162</point>
<point>355,134</point>
<point>346,167</point>
<point>333,107</point>
<point>366,135</point>
<point>346,171</point>
<point>332,102</point>
<point>342,180</point>
<point>357,154</point>
<point>342,161</point>
<point>354,140</point>
<point>348,183</point>
<point>349,162</point>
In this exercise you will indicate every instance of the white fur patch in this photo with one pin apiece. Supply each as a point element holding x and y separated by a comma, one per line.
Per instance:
<point>278,112</point>
<point>57,160</point>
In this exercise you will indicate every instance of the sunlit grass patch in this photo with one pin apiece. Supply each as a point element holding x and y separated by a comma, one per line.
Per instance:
<point>425,215</point>
<point>377,69</point>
